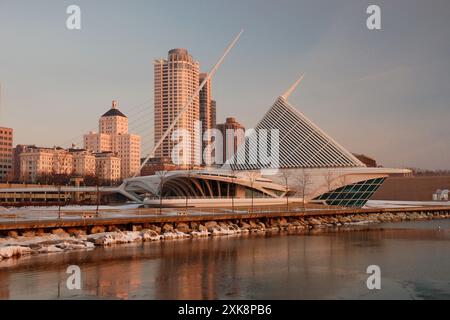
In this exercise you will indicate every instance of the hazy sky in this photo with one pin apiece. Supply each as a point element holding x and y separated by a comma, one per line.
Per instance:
<point>383,93</point>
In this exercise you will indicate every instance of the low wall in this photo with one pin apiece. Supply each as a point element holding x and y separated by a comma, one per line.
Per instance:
<point>130,223</point>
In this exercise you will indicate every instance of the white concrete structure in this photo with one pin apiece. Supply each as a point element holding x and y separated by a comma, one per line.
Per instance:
<point>441,195</point>
<point>312,167</point>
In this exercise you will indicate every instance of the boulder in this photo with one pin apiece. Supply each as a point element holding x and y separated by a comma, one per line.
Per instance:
<point>210,225</point>
<point>253,224</point>
<point>183,227</point>
<point>113,228</point>
<point>167,228</point>
<point>245,226</point>
<point>28,234</point>
<point>282,222</point>
<point>314,222</point>
<point>59,232</point>
<point>155,228</point>
<point>235,227</point>
<point>13,234</point>
<point>150,235</point>
<point>98,229</point>
<point>75,232</point>
<point>194,225</point>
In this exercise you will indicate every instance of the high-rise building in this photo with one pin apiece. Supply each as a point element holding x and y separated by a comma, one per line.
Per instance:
<point>113,137</point>
<point>213,113</point>
<point>207,105</point>
<point>176,81</point>
<point>207,114</point>
<point>233,136</point>
<point>6,154</point>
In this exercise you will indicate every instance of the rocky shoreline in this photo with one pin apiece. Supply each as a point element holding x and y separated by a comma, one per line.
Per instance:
<point>59,240</point>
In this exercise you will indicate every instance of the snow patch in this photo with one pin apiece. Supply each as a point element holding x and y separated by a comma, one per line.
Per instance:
<point>7,252</point>
<point>175,234</point>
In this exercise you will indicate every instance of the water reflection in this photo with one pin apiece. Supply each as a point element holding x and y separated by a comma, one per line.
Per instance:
<point>290,266</point>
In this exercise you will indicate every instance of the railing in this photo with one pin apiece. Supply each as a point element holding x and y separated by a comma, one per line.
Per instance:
<point>24,215</point>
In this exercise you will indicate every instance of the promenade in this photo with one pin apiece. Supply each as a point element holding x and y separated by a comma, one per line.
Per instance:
<point>129,218</point>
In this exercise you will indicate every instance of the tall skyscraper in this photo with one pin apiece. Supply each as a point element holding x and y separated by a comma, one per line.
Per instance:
<point>113,137</point>
<point>233,136</point>
<point>213,113</point>
<point>207,114</point>
<point>176,80</point>
<point>6,154</point>
<point>207,105</point>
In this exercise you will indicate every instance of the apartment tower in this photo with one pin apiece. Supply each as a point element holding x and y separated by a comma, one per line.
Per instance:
<point>176,81</point>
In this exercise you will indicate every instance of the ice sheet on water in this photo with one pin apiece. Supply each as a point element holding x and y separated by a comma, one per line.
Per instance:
<point>47,243</point>
<point>403,204</point>
<point>12,251</point>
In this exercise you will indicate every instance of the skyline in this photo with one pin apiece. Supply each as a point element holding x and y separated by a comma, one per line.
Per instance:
<point>378,81</point>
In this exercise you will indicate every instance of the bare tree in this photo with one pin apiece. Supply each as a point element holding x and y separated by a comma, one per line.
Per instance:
<point>343,181</point>
<point>233,187</point>
<point>285,176</point>
<point>329,179</point>
<point>189,173</point>
<point>303,180</point>
<point>162,180</point>
<point>253,177</point>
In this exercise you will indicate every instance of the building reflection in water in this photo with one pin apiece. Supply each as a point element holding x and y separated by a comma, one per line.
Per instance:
<point>294,266</point>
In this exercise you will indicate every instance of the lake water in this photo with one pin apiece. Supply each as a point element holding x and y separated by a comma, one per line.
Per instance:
<point>414,258</point>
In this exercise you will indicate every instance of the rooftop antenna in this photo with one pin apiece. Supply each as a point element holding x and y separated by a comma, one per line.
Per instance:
<point>190,101</point>
<point>286,95</point>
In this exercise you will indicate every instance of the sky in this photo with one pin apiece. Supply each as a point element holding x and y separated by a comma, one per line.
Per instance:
<point>384,93</point>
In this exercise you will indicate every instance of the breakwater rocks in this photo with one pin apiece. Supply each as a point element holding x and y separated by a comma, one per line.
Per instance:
<point>61,240</point>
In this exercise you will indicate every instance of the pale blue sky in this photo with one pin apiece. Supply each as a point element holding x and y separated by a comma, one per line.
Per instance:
<point>383,93</point>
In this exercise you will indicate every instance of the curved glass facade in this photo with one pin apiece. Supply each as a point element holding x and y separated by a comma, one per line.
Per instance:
<point>352,195</point>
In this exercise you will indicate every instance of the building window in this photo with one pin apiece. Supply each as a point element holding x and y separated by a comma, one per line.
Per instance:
<point>354,195</point>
